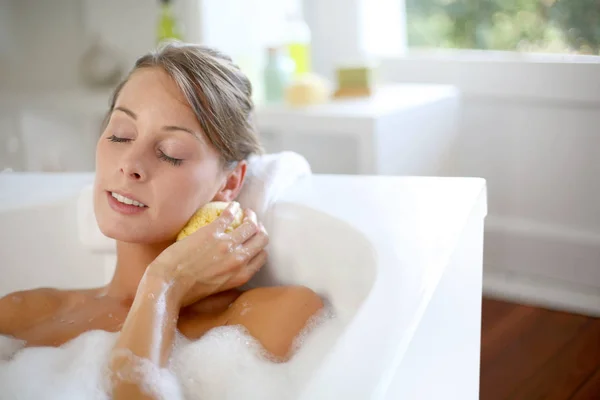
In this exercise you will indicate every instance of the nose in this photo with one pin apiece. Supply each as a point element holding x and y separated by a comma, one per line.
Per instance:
<point>132,166</point>
<point>134,171</point>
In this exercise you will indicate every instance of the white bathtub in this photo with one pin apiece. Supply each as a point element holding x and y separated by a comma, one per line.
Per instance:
<point>400,259</point>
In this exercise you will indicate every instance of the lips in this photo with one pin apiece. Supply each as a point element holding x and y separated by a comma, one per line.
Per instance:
<point>127,199</point>
<point>125,203</point>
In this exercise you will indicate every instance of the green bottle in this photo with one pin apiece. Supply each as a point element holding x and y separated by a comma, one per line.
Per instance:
<point>168,27</point>
<point>278,74</point>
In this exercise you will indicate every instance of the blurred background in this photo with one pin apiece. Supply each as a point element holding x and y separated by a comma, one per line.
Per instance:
<point>507,90</point>
<point>523,112</point>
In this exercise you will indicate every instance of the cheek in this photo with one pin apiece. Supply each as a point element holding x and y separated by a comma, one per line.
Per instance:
<point>102,154</point>
<point>185,193</point>
<point>101,164</point>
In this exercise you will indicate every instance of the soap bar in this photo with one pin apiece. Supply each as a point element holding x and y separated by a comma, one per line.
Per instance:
<point>355,82</point>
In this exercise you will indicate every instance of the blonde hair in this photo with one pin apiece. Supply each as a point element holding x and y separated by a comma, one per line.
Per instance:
<point>216,89</point>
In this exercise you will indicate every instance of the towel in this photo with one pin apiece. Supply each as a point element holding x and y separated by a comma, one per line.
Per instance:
<point>267,178</point>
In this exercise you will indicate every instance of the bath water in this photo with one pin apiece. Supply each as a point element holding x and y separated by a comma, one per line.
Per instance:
<point>224,364</point>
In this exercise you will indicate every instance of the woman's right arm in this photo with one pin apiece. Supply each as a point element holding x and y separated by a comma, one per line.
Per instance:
<point>139,357</point>
<point>204,263</point>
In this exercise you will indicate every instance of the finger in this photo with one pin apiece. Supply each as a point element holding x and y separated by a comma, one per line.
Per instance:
<point>263,229</point>
<point>250,215</point>
<point>226,218</point>
<point>247,230</point>
<point>253,246</point>
<point>257,262</point>
<point>250,269</point>
<point>244,232</point>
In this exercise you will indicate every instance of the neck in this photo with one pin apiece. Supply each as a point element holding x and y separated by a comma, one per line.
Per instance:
<point>132,261</point>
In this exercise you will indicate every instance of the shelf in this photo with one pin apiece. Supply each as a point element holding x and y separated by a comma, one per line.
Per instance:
<point>385,100</point>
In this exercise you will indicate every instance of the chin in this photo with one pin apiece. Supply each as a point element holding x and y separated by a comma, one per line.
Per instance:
<point>140,232</point>
<point>140,229</point>
<point>135,236</point>
<point>122,233</point>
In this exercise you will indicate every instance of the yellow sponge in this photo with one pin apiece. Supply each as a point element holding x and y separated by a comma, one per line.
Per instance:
<point>307,90</point>
<point>207,214</point>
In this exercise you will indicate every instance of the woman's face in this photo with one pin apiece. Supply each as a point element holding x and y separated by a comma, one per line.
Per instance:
<point>153,152</point>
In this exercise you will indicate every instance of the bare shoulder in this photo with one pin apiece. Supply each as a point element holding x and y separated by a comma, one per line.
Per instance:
<point>23,308</point>
<point>297,297</point>
<point>275,315</point>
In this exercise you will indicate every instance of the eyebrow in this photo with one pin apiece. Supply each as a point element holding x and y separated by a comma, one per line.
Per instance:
<point>169,128</point>
<point>126,111</point>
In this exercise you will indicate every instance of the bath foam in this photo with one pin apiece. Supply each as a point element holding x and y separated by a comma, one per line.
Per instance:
<point>224,364</point>
<point>8,347</point>
<point>75,370</point>
<point>207,214</point>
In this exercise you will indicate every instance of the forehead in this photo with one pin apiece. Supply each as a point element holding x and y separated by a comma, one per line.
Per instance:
<point>152,93</point>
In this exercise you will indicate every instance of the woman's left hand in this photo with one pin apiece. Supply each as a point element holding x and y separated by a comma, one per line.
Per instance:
<point>210,260</point>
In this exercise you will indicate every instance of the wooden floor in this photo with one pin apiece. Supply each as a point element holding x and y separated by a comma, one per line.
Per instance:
<point>530,353</point>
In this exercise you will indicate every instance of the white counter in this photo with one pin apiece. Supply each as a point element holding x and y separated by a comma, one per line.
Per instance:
<point>402,129</point>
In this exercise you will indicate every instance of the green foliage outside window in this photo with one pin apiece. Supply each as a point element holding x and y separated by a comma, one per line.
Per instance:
<point>551,26</point>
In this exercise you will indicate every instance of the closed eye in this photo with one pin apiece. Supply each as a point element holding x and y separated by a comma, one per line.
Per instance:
<point>161,154</point>
<point>116,139</point>
<point>172,160</point>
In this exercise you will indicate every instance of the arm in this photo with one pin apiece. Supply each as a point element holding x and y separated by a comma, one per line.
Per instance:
<point>204,263</point>
<point>145,343</point>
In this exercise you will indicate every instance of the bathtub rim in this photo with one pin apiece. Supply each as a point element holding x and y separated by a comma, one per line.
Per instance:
<point>354,336</point>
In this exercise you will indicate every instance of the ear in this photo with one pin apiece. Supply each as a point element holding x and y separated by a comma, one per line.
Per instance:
<point>232,184</point>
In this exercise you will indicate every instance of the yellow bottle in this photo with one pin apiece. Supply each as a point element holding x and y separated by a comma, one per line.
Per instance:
<point>298,43</point>
<point>168,27</point>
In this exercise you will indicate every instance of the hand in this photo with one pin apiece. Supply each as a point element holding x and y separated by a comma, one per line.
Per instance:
<point>210,261</point>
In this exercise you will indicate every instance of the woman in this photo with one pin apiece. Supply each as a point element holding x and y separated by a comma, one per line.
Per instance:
<point>177,135</point>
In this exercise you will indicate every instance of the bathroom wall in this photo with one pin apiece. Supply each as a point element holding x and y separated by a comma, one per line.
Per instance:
<point>48,119</point>
<point>42,51</point>
<point>6,30</point>
<point>54,34</point>
<point>530,127</point>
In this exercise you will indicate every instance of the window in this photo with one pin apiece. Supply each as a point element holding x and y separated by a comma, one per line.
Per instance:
<point>548,26</point>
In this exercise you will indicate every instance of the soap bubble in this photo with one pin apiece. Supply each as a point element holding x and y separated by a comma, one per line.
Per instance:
<point>226,363</point>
